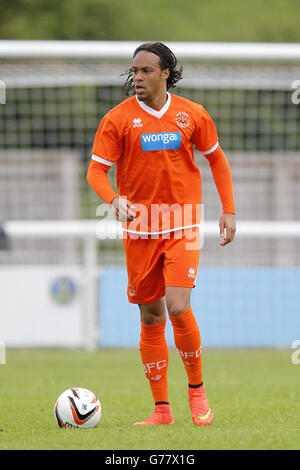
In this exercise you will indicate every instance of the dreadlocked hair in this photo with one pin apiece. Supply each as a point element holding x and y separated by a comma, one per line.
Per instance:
<point>167,61</point>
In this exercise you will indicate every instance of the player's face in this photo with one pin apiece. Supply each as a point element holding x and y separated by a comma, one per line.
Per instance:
<point>148,77</point>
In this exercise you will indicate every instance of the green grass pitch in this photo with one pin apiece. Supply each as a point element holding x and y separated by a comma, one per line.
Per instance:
<point>254,394</point>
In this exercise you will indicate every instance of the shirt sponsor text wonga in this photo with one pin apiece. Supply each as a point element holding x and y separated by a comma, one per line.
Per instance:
<point>161,141</point>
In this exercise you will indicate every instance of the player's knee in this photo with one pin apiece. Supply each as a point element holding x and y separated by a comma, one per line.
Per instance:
<point>178,307</point>
<point>151,317</point>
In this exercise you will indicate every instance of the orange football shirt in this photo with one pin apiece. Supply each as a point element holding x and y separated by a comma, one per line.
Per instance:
<point>153,151</point>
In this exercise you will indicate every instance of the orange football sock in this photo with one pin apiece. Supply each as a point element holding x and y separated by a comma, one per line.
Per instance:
<point>155,356</point>
<point>188,342</point>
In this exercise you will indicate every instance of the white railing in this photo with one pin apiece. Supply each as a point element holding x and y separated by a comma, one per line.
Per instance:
<point>124,50</point>
<point>95,229</point>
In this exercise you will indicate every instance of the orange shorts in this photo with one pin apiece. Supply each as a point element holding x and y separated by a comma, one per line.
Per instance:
<point>153,264</point>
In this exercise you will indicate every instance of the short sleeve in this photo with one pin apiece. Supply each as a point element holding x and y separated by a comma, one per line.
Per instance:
<point>107,146</point>
<point>205,135</point>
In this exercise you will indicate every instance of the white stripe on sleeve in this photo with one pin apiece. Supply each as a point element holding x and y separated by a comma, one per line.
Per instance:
<point>207,152</point>
<point>102,160</point>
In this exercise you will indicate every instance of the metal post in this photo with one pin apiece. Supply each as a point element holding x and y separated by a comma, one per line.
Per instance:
<point>90,294</point>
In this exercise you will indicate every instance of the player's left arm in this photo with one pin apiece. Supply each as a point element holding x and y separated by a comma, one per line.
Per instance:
<point>223,180</point>
<point>206,140</point>
<point>227,228</point>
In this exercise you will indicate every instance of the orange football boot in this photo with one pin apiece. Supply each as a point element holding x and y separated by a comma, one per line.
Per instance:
<point>202,415</point>
<point>162,415</point>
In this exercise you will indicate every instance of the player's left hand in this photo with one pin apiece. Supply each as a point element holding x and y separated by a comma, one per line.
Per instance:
<point>227,228</point>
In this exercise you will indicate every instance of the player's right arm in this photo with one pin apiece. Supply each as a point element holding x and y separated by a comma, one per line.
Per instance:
<point>124,210</point>
<point>99,182</point>
<point>107,150</point>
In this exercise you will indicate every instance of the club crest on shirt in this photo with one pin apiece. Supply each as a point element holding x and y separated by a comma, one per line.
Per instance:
<point>182,119</point>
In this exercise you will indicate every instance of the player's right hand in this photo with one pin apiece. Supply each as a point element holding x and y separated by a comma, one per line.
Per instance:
<point>124,210</point>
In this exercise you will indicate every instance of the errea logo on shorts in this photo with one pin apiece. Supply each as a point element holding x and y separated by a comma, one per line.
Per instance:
<point>191,273</point>
<point>161,141</point>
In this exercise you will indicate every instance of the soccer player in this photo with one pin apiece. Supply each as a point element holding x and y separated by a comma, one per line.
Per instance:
<point>151,136</point>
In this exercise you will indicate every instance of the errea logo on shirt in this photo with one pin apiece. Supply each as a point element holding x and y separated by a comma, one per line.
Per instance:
<point>161,141</point>
<point>137,122</point>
